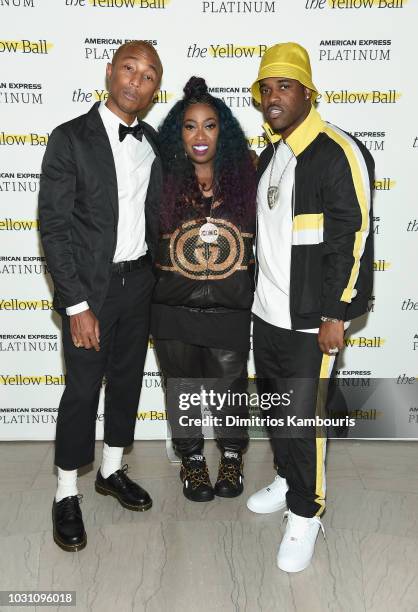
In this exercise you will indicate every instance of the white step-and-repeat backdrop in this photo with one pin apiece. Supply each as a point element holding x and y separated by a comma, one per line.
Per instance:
<point>53,55</point>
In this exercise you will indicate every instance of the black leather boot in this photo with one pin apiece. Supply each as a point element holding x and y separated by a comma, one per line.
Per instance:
<point>195,477</point>
<point>230,481</point>
<point>68,524</point>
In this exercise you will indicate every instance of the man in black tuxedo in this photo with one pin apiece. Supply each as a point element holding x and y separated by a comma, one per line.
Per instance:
<point>98,210</point>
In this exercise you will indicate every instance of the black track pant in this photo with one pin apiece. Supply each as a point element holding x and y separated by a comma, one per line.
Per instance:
<point>287,360</point>
<point>188,367</point>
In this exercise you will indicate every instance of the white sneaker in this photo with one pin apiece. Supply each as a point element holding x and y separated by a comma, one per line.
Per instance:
<point>269,499</point>
<point>298,543</point>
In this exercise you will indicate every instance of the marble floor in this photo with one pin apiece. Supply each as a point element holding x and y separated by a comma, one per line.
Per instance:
<point>188,557</point>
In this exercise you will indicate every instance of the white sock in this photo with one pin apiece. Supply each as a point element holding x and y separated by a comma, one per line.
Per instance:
<point>111,460</point>
<point>67,484</point>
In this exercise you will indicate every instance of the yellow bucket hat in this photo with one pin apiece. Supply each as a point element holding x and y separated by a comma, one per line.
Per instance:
<point>285,60</point>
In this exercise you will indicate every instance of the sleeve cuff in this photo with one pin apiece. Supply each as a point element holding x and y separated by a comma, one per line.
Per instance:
<point>334,310</point>
<point>77,308</point>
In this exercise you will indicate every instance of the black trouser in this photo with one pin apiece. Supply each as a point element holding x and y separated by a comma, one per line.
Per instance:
<point>185,368</point>
<point>124,329</point>
<point>286,359</point>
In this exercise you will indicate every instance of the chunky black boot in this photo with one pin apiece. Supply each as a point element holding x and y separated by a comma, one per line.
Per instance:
<point>230,481</point>
<point>195,476</point>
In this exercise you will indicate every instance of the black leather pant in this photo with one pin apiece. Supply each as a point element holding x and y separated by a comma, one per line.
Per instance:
<point>186,369</point>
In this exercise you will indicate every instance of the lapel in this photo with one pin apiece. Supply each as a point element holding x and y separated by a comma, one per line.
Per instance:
<point>102,157</point>
<point>151,201</point>
<point>152,137</point>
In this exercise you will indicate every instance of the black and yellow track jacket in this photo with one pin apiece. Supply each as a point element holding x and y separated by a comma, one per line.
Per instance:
<point>331,270</point>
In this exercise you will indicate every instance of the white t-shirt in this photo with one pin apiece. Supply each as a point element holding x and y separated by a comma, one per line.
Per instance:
<point>274,242</point>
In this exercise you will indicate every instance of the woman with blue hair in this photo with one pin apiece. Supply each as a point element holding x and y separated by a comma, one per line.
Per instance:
<point>204,290</point>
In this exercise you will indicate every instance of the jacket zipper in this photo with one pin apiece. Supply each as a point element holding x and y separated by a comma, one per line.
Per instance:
<point>293,203</point>
<point>255,251</point>
<point>291,245</point>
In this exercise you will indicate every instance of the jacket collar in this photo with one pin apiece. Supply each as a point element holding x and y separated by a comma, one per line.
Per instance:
<point>303,135</point>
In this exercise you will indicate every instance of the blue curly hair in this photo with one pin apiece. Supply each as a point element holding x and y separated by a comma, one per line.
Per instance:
<point>234,172</point>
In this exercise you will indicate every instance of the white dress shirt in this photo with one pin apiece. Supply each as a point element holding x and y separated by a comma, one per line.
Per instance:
<point>133,160</point>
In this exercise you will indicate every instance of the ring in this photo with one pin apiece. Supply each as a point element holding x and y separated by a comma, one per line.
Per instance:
<point>333,351</point>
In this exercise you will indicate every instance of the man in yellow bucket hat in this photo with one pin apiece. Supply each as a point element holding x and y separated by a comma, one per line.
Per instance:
<point>313,276</point>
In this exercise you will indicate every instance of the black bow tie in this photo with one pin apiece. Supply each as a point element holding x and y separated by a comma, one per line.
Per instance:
<point>136,131</point>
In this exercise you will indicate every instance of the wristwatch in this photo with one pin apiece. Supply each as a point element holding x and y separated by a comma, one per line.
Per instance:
<point>330,320</point>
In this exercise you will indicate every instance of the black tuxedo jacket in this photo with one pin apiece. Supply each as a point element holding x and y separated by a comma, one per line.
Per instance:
<point>78,209</point>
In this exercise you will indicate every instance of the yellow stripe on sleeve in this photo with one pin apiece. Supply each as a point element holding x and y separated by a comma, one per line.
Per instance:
<point>362,188</point>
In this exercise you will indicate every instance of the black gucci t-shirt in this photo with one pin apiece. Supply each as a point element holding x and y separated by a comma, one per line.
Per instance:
<point>204,287</point>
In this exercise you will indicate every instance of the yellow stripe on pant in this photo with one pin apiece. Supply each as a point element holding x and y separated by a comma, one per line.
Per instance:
<point>321,442</point>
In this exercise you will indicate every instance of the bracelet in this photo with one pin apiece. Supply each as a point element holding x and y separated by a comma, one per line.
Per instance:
<point>330,320</point>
